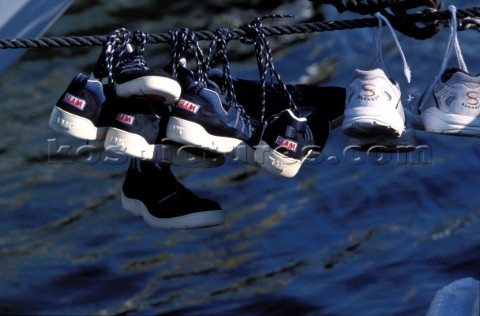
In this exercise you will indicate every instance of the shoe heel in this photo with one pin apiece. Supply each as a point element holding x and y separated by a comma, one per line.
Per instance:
<point>133,206</point>
<point>70,124</point>
<point>276,163</point>
<point>191,133</point>
<point>119,141</point>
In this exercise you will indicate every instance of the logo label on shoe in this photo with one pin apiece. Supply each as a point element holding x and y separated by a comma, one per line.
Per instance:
<point>125,119</point>
<point>472,100</point>
<point>74,101</point>
<point>368,93</point>
<point>189,106</point>
<point>286,143</point>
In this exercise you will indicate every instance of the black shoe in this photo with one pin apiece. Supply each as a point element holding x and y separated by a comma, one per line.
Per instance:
<point>288,139</point>
<point>83,111</point>
<point>151,191</point>
<point>327,102</point>
<point>139,131</point>
<point>203,117</point>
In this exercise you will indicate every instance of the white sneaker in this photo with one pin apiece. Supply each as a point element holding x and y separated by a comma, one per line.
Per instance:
<point>406,142</point>
<point>451,104</point>
<point>374,114</point>
<point>373,107</point>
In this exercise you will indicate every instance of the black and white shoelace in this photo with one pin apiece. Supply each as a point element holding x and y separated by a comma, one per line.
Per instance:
<point>116,43</point>
<point>135,60</point>
<point>182,41</point>
<point>263,52</point>
<point>217,50</point>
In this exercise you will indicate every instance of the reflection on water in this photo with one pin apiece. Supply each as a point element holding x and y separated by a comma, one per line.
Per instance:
<point>341,238</point>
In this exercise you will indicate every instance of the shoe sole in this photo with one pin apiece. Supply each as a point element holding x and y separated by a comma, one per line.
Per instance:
<point>190,133</point>
<point>121,142</point>
<point>363,122</point>
<point>70,124</point>
<point>155,87</point>
<point>437,121</point>
<point>275,162</point>
<point>405,143</point>
<point>202,219</point>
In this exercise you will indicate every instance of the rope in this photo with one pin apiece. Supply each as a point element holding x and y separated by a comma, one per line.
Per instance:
<point>301,28</point>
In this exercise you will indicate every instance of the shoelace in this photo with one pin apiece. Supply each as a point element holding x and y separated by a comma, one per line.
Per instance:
<point>218,50</point>
<point>263,52</point>
<point>117,41</point>
<point>377,35</point>
<point>452,44</point>
<point>183,40</point>
<point>136,58</point>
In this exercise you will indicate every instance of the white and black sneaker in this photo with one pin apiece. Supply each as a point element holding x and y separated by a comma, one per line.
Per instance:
<point>326,102</point>
<point>138,130</point>
<point>286,142</point>
<point>323,107</point>
<point>83,110</point>
<point>204,118</point>
<point>151,190</point>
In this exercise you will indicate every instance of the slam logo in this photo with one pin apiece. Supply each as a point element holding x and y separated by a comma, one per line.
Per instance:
<point>286,143</point>
<point>75,101</point>
<point>125,119</point>
<point>189,106</point>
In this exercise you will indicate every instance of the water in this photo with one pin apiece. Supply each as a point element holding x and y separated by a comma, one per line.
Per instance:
<point>374,236</point>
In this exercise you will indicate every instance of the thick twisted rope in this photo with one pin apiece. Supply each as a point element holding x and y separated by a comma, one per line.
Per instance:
<point>301,28</point>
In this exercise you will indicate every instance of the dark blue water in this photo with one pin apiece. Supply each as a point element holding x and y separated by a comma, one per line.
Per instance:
<point>351,234</point>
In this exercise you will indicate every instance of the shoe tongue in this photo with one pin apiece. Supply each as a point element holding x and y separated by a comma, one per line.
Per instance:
<point>293,121</point>
<point>185,77</point>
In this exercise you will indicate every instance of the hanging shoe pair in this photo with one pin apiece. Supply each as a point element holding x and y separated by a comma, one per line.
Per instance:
<point>375,117</point>
<point>91,109</point>
<point>322,107</point>
<point>123,103</point>
<point>208,114</point>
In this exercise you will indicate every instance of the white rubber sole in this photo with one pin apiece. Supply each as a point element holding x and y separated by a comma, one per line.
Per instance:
<point>437,121</point>
<point>67,123</point>
<point>406,142</point>
<point>245,154</point>
<point>134,145</point>
<point>190,133</point>
<point>121,142</point>
<point>195,220</point>
<point>163,87</point>
<point>275,162</point>
<point>365,122</point>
